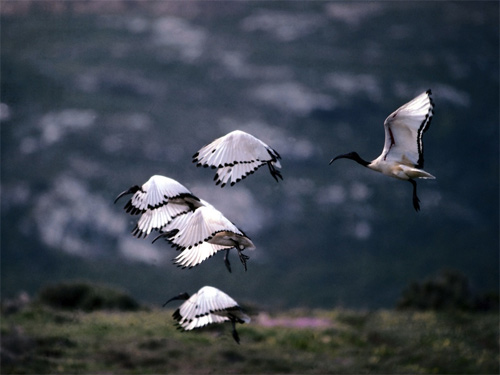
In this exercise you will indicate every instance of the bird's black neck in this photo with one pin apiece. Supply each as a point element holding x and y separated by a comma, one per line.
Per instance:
<point>353,156</point>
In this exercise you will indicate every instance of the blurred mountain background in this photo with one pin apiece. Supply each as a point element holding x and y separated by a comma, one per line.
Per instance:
<point>97,96</point>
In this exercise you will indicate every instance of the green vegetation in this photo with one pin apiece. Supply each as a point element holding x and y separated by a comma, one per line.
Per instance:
<point>40,339</point>
<point>448,290</point>
<point>86,297</point>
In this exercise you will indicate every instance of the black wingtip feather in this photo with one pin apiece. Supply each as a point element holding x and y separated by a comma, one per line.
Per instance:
<point>426,123</point>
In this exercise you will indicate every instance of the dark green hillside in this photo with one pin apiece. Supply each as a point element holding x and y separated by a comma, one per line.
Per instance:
<point>97,96</point>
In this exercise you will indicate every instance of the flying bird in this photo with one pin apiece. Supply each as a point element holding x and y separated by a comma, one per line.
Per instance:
<point>237,155</point>
<point>189,223</point>
<point>209,305</point>
<point>403,153</point>
<point>202,233</point>
<point>158,201</point>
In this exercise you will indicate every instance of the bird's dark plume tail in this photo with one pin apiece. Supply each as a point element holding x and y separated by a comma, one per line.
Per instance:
<point>353,156</point>
<point>274,172</point>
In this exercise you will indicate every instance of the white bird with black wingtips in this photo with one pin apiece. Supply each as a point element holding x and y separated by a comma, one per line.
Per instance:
<point>209,305</point>
<point>403,153</point>
<point>158,201</point>
<point>189,223</point>
<point>202,233</point>
<point>237,155</point>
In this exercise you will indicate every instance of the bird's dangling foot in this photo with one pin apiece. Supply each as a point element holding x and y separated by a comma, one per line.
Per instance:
<point>226,261</point>
<point>416,201</point>
<point>235,334</point>
<point>243,259</point>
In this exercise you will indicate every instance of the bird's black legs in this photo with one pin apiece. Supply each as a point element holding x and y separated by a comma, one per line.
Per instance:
<point>416,201</point>
<point>226,260</point>
<point>243,258</point>
<point>235,334</point>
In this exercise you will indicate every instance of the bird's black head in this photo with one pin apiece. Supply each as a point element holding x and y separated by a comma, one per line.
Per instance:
<point>183,296</point>
<point>166,235</point>
<point>353,156</point>
<point>134,189</point>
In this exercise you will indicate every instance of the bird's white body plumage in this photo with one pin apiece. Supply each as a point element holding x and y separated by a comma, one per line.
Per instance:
<point>402,156</point>
<point>209,305</point>
<point>202,233</point>
<point>237,155</point>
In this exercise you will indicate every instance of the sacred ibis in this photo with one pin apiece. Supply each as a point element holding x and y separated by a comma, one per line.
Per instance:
<point>158,201</point>
<point>209,305</point>
<point>237,155</point>
<point>189,223</point>
<point>202,233</point>
<point>403,153</point>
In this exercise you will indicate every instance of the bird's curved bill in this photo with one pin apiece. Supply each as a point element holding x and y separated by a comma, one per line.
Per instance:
<point>182,296</point>
<point>337,157</point>
<point>121,195</point>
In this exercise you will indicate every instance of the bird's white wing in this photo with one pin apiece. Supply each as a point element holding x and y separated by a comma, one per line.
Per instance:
<point>159,217</point>
<point>233,148</point>
<point>192,257</point>
<point>159,200</point>
<point>199,226</point>
<point>199,310</point>
<point>237,154</point>
<point>221,304</point>
<point>404,129</point>
<point>236,172</point>
<point>190,315</point>
<point>213,299</point>
<point>156,192</point>
<point>203,321</point>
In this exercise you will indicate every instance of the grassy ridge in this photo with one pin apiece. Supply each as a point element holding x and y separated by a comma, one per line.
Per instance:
<point>39,339</point>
